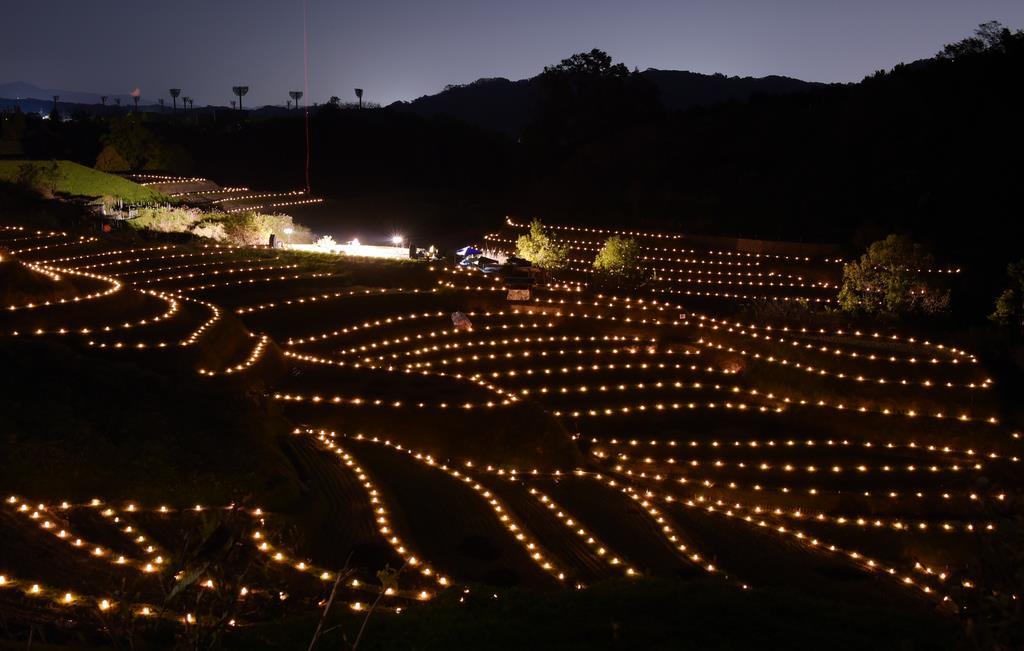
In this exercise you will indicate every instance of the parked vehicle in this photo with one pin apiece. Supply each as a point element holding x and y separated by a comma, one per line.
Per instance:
<point>477,262</point>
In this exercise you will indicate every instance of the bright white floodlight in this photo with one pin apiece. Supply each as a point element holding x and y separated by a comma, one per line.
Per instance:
<point>397,240</point>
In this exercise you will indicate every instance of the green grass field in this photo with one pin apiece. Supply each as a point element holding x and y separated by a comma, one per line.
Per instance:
<point>79,180</point>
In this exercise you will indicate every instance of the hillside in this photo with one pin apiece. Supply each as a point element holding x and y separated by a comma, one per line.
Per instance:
<point>921,148</point>
<point>79,180</point>
<point>509,106</point>
<point>257,419</point>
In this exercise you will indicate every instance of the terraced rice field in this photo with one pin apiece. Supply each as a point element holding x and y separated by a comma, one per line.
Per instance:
<point>198,191</point>
<point>558,442</point>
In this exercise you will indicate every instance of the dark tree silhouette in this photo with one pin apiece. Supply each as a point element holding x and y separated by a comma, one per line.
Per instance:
<point>295,95</point>
<point>988,36</point>
<point>359,96</point>
<point>587,96</point>
<point>1009,309</point>
<point>174,97</point>
<point>103,100</point>
<point>240,91</point>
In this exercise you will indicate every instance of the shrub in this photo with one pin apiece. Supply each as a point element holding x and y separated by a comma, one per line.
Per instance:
<point>891,279</point>
<point>541,249</point>
<point>326,242</point>
<point>211,228</point>
<point>243,229</point>
<point>300,235</point>
<point>166,219</point>
<point>620,259</point>
<point>252,228</point>
<point>40,177</point>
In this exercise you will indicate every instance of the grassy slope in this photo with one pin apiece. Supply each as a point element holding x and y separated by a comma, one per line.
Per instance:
<point>84,181</point>
<point>76,425</point>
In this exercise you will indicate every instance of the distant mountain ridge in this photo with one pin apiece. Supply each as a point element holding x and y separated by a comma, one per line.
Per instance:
<point>508,106</point>
<point>494,103</point>
<point>25,90</point>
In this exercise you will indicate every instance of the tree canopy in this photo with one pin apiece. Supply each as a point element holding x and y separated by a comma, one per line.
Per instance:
<point>110,160</point>
<point>1009,309</point>
<point>42,177</point>
<point>987,37</point>
<point>891,278</point>
<point>586,96</point>
<point>620,258</point>
<point>134,142</point>
<point>541,249</point>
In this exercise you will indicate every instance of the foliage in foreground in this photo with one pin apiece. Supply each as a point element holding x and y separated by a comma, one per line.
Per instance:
<point>541,249</point>
<point>891,279</point>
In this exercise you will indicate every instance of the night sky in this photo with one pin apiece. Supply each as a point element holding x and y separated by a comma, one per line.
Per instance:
<point>401,49</point>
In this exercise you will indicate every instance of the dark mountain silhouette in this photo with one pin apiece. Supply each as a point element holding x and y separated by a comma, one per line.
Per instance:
<point>21,90</point>
<point>492,103</point>
<point>680,90</point>
<point>509,106</point>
